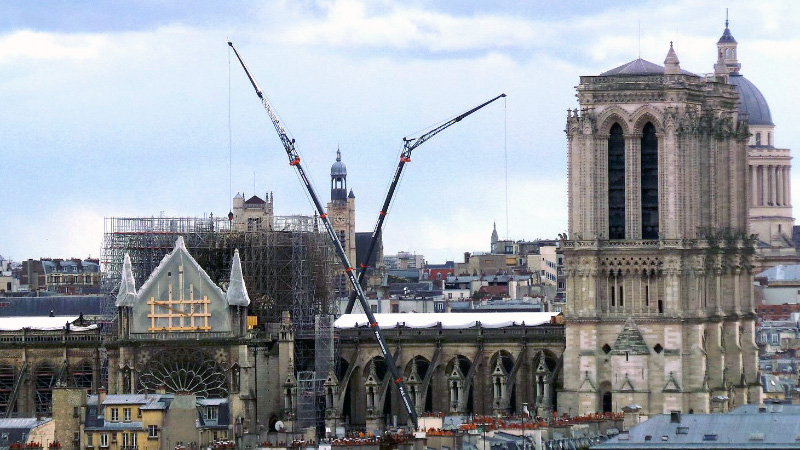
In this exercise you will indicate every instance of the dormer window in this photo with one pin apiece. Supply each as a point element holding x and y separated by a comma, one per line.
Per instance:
<point>212,412</point>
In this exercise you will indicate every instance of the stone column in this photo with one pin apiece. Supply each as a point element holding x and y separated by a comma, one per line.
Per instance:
<point>773,183</point>
<point>633,186</point>
<point>764,185</point>
<point>754,185</point>
<point>781,192</point>
<point>786,184</point>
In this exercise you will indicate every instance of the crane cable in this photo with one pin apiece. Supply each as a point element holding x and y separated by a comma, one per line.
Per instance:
<point>505,154</point>
<point>230,140</point>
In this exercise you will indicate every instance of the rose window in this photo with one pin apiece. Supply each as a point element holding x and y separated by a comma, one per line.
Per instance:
<point>184,371</point>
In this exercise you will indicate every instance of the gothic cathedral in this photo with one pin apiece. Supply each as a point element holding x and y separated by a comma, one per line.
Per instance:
<point>658,257</point>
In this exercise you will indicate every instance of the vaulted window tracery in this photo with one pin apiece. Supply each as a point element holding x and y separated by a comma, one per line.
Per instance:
<point>616,183</point>
<point>649,180</point>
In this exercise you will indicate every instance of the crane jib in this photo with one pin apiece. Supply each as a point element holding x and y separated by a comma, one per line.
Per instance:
<point>409,144</point>
<point>295,161</point>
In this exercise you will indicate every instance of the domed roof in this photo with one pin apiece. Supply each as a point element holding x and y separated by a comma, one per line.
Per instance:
<point>639,66</point>
<point>751,101</point>
<point>338,169</point>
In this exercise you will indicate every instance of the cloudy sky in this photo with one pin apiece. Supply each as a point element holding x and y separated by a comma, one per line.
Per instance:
<point>119,109</point>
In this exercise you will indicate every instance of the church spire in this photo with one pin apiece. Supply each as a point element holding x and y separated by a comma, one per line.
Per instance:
<point>672,66</point>
<point>726,52</point>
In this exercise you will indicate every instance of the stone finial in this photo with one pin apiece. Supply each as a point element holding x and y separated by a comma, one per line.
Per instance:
<point>237,291</point>
<point>127,286</point>
<point>672,66</point>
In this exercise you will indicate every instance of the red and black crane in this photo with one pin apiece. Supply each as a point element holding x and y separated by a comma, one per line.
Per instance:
<point>409,144</point>
<point>294,160</point>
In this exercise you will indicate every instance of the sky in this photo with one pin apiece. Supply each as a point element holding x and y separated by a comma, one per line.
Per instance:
<point>126,109</point>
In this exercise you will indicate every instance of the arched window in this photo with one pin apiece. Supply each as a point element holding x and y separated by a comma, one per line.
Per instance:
<point>649,182</point>
<point>616,183</point>
<point>769,139</point>
<point>758,138</point>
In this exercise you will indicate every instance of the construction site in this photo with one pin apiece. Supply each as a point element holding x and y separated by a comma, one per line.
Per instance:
<point>288,265</point>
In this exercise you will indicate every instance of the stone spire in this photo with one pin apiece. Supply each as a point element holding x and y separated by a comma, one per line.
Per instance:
<point>672,66</point>
<point>237,291</point>
<point>494,235</point>
<point>127,287</point>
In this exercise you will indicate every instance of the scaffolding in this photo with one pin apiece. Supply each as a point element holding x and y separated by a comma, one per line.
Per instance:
<point>287,268</point>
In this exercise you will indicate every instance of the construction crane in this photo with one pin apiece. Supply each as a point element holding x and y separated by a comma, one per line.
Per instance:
<point>294,160</point>
<point>405,157</point>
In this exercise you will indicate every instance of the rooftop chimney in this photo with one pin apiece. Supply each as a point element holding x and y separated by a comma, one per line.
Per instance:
<point>101,397</point>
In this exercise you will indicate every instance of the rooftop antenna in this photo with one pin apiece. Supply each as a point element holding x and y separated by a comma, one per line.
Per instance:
<point>726,17</point>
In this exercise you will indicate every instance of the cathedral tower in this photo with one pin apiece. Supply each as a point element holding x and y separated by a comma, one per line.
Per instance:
<point>658,258</point>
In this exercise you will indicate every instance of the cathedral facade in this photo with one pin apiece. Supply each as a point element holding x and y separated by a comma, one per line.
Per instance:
<point>658,258</point>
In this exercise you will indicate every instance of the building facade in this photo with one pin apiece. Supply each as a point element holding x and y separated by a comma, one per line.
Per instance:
<point>658,258</point>
<point>253,214</point>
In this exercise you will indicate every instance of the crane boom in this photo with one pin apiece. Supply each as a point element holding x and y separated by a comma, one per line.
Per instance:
<point>294,160</point>
<point>408,146</point>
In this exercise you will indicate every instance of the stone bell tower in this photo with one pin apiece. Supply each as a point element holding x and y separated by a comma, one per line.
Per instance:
<point>658,258</point>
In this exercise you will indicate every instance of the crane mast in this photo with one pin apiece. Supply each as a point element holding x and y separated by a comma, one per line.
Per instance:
<point>405,157</point>
<point>294,160</point>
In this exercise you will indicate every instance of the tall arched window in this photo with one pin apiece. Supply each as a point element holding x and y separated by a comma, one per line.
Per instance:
<point>649,182</point>
<point>616,183</point>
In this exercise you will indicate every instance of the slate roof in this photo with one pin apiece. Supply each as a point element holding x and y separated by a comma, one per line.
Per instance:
<point>125,399</point>
<point>751,101</point>
<point>120,426</point>
<point>18,429</point>
<point>781,272</point>
<point>727,37</point>
<point>255,200</point>
<point>711,431</point>
<point>770,409</point>
<point>638,67</point>
<point>630,341</point>
<point>338,169</point>
<point>61,305</point>
<point>362,242</point>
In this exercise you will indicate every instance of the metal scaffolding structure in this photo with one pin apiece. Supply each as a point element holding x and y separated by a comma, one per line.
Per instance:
<point>288,268</point>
